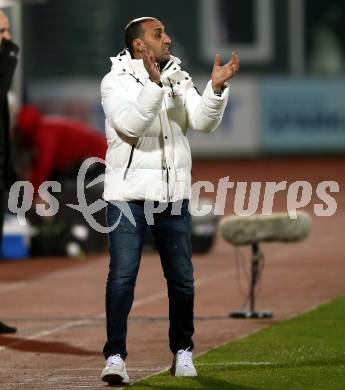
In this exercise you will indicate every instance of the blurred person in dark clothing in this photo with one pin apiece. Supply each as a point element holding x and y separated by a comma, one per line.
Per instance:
<point>60,144</point>
<point>8,62</point>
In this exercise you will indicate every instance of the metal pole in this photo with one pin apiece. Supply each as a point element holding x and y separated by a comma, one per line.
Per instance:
<point>254,275</point>
<point>296,37</point>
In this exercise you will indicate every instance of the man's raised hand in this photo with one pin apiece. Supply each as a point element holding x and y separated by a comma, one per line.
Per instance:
<point>150,65</point>
<point>222,73</point>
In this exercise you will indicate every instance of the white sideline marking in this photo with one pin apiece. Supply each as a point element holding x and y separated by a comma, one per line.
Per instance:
<point>143,368</point>
<point>43,333</point>
<point>67,325</point>
<point>137,303</point>
<point>12,287</point>
<point>225,364</point>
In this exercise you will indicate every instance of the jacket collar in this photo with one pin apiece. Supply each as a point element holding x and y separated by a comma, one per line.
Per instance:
<point>123,63</point>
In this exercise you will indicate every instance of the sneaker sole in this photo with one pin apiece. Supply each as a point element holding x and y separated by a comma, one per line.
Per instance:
<point>185,375</point>
<point>173,373</point>
<point>114,379</point>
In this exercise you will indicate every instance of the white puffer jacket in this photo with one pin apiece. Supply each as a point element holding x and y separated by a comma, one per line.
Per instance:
<point>148,155</point>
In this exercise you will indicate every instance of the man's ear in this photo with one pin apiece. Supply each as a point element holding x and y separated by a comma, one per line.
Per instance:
<point>138,45</point>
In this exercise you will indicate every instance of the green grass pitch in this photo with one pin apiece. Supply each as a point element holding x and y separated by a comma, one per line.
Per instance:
<point>306,352</point>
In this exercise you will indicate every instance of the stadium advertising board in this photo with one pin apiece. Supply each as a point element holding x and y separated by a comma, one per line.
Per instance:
<point>238,133</point>
<point>303,115</point>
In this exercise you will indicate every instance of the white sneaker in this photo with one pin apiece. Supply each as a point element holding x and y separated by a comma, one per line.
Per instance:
<point>183,364</point>
<point>115,370</point>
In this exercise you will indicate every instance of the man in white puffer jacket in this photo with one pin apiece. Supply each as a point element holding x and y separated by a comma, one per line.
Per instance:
<point>149,103</point>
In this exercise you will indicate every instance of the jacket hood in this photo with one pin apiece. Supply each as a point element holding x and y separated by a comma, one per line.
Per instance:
<point>124,63</point>
<point>29,119</point>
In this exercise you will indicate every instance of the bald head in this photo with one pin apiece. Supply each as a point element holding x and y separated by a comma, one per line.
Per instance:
<point>138,21</point>
<point>4,27</point>
<point>148,32</point>
<point>135,30</point>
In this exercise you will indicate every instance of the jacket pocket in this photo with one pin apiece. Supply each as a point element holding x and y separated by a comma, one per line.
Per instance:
<point>129,162</point>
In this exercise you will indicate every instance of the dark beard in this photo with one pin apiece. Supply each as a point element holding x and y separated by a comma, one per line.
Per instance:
<point>162,65</point>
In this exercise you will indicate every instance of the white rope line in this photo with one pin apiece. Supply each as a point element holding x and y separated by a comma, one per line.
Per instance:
<point>137,303</point>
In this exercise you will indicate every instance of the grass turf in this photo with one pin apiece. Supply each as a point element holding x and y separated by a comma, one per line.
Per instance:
<point>306,352</point>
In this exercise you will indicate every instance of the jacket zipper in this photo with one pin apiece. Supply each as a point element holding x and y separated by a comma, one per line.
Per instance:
<point>165,162</point>
<point>168,192</point>
<point>167,67</point>
<point>129,162</point>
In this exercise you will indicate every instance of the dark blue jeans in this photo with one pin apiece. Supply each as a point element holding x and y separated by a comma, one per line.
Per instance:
<point>172,235</point>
